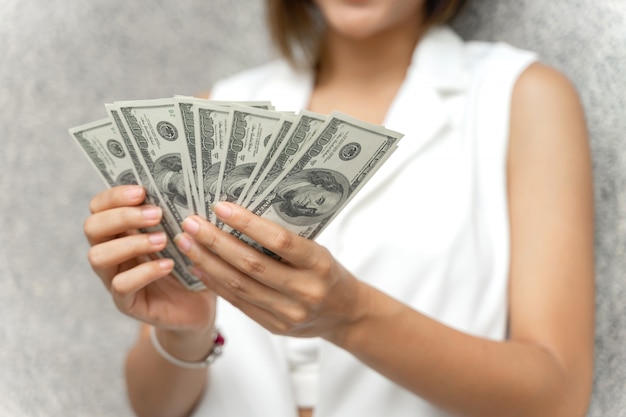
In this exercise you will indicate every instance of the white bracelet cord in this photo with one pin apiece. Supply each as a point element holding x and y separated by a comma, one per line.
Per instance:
<point>216,351</point>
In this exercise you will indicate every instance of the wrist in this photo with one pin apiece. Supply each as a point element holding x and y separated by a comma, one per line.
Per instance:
<point>361,310</point>
<point>378,326</point>
<point>192,346</point>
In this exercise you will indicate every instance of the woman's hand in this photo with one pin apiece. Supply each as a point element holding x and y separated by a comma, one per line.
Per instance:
<point>307,293</point>
<point>140,283</point>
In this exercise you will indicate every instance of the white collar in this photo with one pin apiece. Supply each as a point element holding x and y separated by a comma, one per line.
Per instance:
<point>440,56</point>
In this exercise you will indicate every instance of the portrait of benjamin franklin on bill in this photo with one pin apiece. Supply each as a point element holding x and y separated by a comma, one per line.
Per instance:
<point>309,196</point>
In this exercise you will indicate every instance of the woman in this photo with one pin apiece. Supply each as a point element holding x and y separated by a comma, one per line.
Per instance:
<point>458,282</point>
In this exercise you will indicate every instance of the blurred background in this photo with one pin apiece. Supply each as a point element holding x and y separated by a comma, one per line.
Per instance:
<point>62,342</point>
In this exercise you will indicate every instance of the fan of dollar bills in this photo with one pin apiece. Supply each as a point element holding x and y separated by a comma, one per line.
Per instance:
<point>298,170</point>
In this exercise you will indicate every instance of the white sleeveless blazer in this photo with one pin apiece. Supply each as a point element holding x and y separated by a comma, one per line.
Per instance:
<point>431,228</point>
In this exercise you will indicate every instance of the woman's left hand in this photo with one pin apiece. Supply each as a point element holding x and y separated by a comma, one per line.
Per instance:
<point>307,293</point>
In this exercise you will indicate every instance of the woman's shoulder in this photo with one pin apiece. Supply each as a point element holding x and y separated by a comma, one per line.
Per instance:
<point>545,105</point>
<point>485,56</point>
<point>446,54</point>
<point>444,40</point>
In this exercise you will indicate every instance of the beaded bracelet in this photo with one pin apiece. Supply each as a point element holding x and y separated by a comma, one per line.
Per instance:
<point>216,350</point>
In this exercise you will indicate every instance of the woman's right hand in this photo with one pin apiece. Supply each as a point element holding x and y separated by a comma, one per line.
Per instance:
<point>141,284</point>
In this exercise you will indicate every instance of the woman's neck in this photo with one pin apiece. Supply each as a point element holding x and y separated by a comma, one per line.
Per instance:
<point>377,59</point>
<point>362,77</point>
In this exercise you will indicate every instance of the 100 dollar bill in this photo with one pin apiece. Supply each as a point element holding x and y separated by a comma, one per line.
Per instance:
<point>203,123</point>
<point>103,146</point>
<point>286,147</point>
<point>159,140</point>
<point>298,171</point>
<point>249,133</point>
<point>332,167</point>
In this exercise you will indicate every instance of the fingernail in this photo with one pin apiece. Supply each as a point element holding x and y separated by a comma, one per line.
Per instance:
<point>151,212</point>
<point>191,226</point>
<point>133,193</point>
<point>223,211</point>
<point>157,238</point>
<point>183,242</point>
<point>197,272</point>
<point>166,264</point>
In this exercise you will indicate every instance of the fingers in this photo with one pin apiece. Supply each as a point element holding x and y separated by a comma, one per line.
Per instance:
<point>284,297</point>
<point>279,314</point>
<point>125,286</point>
<point>115,252</point>
<point>224,278</point>
<point>252,282</point>
<point>114,212</point>
<point>123,195</point>
<point>231,251</point>
<point>114,257</point>
<point>107,224</point>
<point>292,248</point>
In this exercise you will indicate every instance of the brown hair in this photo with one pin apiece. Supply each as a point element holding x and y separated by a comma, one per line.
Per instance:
<point>295,25</point>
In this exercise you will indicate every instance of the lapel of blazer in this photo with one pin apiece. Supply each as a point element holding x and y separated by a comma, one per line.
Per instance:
<point>438,68</point>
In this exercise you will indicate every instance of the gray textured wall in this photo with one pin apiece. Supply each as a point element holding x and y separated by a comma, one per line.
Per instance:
<point>61,341</point>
